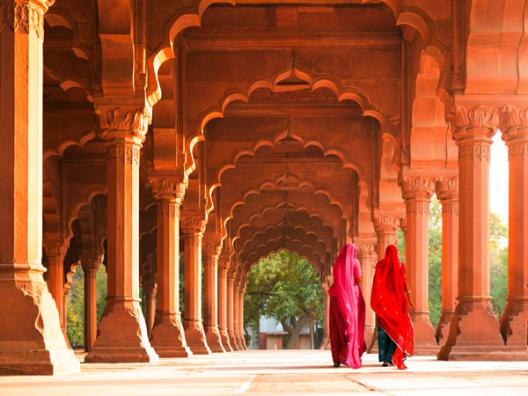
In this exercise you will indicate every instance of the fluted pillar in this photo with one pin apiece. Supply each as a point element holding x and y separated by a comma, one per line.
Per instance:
<point>223,305</point>
<point>212,333</point>
<point>122,333</point>
<point>29,317</point>
<point>514,322</point>
<point>241,316</point>
<point>168,336</point>
<point>417,191</point>
<point>150,292</point>
<point>447,191</point>
<point>193,228</point>
<point>325,285</point>
<point>236,313</point>
<point>368,258</point>
<point>474,331</point>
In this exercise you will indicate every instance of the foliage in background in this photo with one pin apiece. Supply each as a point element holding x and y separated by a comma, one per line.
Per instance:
<point>75,304</point>
<point>284,286</point>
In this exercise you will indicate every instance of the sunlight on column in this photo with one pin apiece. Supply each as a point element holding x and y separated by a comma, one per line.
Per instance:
<point>499,178</point>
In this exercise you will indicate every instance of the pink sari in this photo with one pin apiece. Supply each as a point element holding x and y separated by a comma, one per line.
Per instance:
<point>347,309</point>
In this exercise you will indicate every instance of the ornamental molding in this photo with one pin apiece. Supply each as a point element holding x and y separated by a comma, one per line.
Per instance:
<point>367,249</point>
<point>212,249</point>
<point>386,221</point>
<point>474,151</point>
<point>193,224</point>
<point>447,187</point>
<point>120,150</point>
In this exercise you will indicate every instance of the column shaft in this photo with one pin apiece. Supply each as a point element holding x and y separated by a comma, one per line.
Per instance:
<point>168,336</point>
<point>122,330</point>
<point>90,305</point>
<point>211,298</point>
<point>231,311</point>
<point>222,308</point>
<point>194,331</point>
<point>29,317</point>
<point>367,257</point>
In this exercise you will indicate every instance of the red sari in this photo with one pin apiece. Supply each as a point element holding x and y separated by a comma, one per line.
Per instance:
<point>389,302</point>
<point>347,309</point>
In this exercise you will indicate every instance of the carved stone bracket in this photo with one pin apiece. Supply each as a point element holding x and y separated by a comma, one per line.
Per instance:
<point>447,188</point>
<point>515,126</point>
<point>473,120</point>
<point>24,16</point>
<point>418,187</point>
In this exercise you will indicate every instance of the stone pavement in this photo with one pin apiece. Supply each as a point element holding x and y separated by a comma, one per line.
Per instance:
<point>277,373</point>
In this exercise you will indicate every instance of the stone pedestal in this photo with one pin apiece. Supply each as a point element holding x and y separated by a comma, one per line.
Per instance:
<point>447,191</point>
<point>193,228</point>
<point>212,333</point>
<point>122,331</point>
<point>417,192</point>
<point>168,337</point>
<point>31,339</point>
<point>474,331</point>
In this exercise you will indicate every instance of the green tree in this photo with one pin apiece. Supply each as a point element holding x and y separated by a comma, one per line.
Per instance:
<point>435,261</point>
<point>498,261</point>
<point>284,286</point>
<point>75,309</point>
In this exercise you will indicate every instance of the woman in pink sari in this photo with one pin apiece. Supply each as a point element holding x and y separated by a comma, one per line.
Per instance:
<point>347,310</point>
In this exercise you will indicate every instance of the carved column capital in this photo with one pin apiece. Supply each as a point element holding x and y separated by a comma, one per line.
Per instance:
<point>168,188</point>
<point>418,187</point>
<point>366,248</point>
<point>193,224</point>
<point>212,248</point>
<point>447,188</point>
<point>384,222</point>
<point>126,123</point>
<point>24,16</point>
<point>515,130</point>
<point>91,262</point>
<point>54,248</point>
<point>473,121</point>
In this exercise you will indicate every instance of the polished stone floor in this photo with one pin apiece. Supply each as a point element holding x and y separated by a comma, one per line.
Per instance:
<point>278,373</point>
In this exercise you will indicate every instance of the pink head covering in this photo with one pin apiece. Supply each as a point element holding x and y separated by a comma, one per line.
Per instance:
<point>347,271</point>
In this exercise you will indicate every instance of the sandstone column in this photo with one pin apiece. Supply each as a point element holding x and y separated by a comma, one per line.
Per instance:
<point>55,252</point>
<point>193,228</point>
<point>29,317</point>
<point>514,322</point>
<point>474,331</point>
<point>241,318</point>
<point>150,292</point>
<point>168,336</point>
<point>212,333</point>
<point>417,191</point>
<point>231,310</point>
<point>90,266</point>
<point>236,313</point>
<point>447,191</point>
<point>122,331</point>
<point>367,257</point>
<point>223,305</point>
<point>386,225</point>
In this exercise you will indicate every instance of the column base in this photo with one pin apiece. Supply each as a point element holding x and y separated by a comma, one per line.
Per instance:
<point>424,335</point>
<point>214,341</point>
<point>514,323</point>
<point>372,347</point>
<point>233,341</point>
<point>241,343</point>
<point>224,337</point>
<point>368,334</point>
<point>31,339</point>
<point>474,335</point>
<point>195,336</point>
<point>122,336</point>
<point>442,329</point>
<point>168,337</point>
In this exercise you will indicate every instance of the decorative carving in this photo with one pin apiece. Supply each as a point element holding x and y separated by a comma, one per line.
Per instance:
<point>192,225</point>
<point>367,249</point>
<point>23,17</point>
<point>118,123</point>
<point>513,118</point>
<point>382,221</point>
<point>120,150</point>
<point>418,187</point>
<point>417,207</point>
<point>450,207</point>
<point>169,208</point>
<point>474,151</point>
<point>515,125</point>
<point>473,122</point>
<point>168,187</point>
<point>447,188</point>
<point>211,249</point>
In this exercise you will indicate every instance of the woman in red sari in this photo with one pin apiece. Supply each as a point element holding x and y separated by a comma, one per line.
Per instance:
<point>389,300</point>
<point>347,310</point>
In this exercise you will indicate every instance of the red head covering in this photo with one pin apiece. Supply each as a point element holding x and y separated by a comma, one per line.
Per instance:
<point>389,301</point>
<point>347,294</point>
